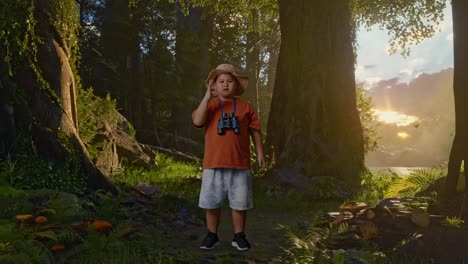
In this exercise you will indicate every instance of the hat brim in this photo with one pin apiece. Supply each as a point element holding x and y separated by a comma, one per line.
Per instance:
<point>242,80</point>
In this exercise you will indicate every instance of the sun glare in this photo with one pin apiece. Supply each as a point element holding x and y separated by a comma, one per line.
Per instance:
<point>391,117</point>
<point>403,135</point>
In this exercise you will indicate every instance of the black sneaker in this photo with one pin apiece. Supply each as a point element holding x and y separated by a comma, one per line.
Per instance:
<point>210,241</point>
<point>240,242</point>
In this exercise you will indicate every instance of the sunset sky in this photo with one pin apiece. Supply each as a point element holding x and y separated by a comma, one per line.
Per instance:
<point>432,55</point>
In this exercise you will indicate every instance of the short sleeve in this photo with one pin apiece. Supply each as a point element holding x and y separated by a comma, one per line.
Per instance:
<point>254,123</point>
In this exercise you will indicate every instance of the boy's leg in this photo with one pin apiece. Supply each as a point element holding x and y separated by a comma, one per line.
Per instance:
<point>238,220</point>
<point>212,219</point>
<point>240,200</point>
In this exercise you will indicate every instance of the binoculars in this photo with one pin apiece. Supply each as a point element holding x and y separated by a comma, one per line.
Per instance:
<point>228,121</point>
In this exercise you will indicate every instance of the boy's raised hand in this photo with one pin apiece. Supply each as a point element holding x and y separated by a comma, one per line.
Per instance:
<point>210,89</point>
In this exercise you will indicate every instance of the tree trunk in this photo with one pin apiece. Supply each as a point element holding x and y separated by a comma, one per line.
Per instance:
<point>273,55</point>
<point>253,62</point>
<point>459,150</point>
<point>314,123</point>
<point>122,73</point>
<point>47,116</point>
<point>194,34</point>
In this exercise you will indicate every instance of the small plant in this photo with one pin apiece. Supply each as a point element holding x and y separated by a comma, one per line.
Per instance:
<point>368,118</point>
<point>454,222</point>
<point>313,247</point>
<point>418,180</point>
<point>7,173</point>
<point>374,186</point>
<point>92,111</point>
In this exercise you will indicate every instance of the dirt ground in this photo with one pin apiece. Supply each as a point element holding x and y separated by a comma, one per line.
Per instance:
<point>261,231</point>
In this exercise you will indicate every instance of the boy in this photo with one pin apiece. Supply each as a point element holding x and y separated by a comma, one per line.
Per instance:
<point>226,163</point>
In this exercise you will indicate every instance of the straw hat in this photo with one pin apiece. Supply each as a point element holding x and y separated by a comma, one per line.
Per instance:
<point>228,68</point>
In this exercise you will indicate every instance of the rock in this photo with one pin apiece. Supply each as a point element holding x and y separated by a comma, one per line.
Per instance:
<point>368,230</point>
<point>315,187</point>
<point>116,145</point>
<point>421,218</point>
<point>370,214</point>
<point>150,190</point>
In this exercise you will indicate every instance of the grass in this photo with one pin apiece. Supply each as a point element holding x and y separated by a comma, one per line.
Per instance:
<point>168,175</point>
<point>184,179</point>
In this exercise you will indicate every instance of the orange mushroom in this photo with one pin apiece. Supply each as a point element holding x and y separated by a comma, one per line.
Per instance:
<point>101,225</point>
<point>55,248</point>
<point>23,218</point>
<point>40,220</point>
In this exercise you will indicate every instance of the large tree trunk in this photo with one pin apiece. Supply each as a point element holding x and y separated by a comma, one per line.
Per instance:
<point>253,62</point>
<point>459,150</point>
<point>194,35</point>
<point>275,40</point>
<point>49,117</point>
<point>314,123</point>
<point>122,73</point>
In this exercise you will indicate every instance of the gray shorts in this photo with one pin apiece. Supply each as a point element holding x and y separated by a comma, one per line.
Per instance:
<point>219,182</point>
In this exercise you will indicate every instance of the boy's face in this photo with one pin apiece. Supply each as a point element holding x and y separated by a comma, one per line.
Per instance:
<point>225,86</point>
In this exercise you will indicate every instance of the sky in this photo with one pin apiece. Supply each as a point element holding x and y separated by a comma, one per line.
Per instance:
<point>374,63</point>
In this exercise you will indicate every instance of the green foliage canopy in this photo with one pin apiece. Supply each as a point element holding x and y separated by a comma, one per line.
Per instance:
<point>408,22</point>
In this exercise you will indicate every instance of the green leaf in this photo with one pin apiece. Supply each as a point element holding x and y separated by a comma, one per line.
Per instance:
<point>46,234</point>
<point>339,257</point>
<point>48,211</point>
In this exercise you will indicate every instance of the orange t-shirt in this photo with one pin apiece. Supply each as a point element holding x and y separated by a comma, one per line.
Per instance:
<point>229,150</point>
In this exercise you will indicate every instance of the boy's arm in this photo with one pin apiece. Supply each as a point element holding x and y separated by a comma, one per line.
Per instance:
<point>200,114</point>
<point>257,139</point>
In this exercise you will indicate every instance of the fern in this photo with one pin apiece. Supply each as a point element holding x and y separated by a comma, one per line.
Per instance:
<point>418,180</point>
<point>314,246</point>
<point>67,236</point>
<point>7,173</point>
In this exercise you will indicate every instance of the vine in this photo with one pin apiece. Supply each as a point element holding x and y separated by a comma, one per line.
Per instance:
<point>21,42</point>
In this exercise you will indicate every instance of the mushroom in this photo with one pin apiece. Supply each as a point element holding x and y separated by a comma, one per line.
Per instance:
<point>101,225</point>
<point>23,218</point>
<point>40,220</point>
<point>56,248</point>
<point>353,207</point>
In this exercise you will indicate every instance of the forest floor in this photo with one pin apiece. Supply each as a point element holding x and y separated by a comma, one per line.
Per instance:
<point>263,229</point>
<point>155,219</point>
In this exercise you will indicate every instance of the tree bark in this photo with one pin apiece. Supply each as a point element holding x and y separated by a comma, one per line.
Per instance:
<point>459,150</point>
<point>194,35</point>
<point>122,75</point>
<point>273,55</point>
<point>253,62</point>
<point>48,116</point>
<point>314,123</point>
